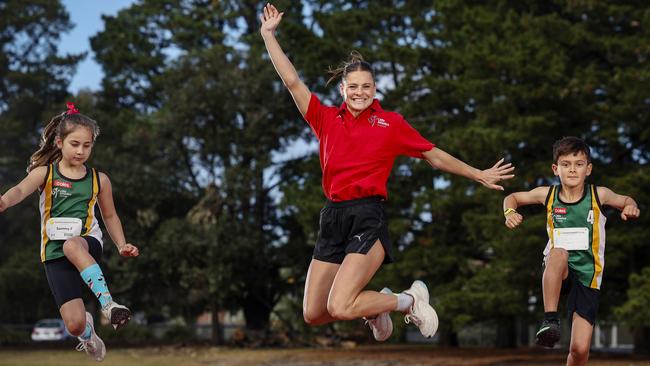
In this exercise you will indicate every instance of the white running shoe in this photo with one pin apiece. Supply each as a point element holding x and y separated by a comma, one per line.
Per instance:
<point>118,315</point>
<point>421,312</point>
<point>381,325</point>
<point>94,347</point>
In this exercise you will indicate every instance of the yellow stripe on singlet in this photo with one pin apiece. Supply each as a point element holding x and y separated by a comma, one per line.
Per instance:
<point>549,215</point>
<point>47,190</point>
<point>595,242</point>
<point>91,203</point>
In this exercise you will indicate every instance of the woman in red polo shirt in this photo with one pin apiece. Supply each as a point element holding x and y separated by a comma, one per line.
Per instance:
<point>359,142</point>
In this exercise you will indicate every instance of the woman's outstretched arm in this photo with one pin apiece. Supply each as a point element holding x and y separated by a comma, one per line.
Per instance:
<point>299,91</point>
<point>487,177</point>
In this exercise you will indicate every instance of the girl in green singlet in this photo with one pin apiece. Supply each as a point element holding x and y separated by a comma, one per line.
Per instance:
<point>71,240</point>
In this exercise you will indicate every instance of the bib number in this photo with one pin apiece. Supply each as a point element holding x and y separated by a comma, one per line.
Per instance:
<point>63,228</point>
<point>573,238</point>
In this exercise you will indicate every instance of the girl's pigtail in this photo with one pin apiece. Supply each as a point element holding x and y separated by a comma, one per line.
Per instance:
<point>47,151</point>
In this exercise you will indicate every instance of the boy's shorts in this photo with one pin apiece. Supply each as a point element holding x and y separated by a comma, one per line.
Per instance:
<point>352,227</point>
<point>581,299</point>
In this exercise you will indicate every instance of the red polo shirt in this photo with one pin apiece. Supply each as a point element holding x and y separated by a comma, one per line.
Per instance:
<point>357,154</point>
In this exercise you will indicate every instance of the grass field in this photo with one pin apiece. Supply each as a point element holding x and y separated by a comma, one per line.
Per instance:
<point>360,356</point>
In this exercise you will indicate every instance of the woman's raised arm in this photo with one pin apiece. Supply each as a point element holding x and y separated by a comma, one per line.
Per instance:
<point>299,91</point>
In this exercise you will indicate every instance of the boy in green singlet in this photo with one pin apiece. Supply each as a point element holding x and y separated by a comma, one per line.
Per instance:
<point>574,257</point>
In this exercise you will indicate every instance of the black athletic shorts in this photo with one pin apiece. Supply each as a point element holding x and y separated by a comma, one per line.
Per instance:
<point>581,299</point>
<point>64,278</point>
<point>352,227</point>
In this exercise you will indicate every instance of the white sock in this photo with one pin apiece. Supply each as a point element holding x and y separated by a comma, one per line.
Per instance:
<point>404,302</point>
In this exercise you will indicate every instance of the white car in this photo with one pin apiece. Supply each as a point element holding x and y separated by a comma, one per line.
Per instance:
<point>50,330</point>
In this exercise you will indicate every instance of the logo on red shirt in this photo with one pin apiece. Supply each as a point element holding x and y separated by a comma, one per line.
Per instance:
<point>374,120</point>
<point>62,184</point>
<point>560,210</point>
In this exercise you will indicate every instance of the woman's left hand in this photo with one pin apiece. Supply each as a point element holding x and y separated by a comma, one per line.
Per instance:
<point>129,250</point>
<point>498,172</point>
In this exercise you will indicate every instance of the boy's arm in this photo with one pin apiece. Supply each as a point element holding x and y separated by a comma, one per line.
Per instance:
<point>625,204</point>
<point>488,177</point>
<point>111,220</point>
<point>518,199</point>
<point>27,186</point>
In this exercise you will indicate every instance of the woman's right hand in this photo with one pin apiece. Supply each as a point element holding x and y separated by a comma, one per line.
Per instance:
<point>3,205</point>
<point>270,19</point>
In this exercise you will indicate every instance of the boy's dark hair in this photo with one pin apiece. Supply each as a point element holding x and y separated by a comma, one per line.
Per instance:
<point>570,145</point>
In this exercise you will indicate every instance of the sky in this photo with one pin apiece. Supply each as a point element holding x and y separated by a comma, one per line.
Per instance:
<point>86,18</point>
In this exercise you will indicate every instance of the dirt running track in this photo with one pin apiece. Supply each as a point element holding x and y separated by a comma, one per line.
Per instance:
<point>361,356</point>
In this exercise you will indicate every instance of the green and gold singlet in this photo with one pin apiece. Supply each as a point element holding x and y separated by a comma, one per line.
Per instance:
<point>586,213</point>
<point>69,198</point>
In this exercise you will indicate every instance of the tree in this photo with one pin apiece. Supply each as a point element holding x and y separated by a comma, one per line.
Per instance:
<point>208,106</point>
<point>32,88</point>
<point>485,80</point>
<point>635,309</point>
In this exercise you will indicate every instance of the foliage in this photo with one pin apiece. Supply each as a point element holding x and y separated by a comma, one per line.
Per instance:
<point>33,83</point>
<point>199,139</point>
<point>635,310</point>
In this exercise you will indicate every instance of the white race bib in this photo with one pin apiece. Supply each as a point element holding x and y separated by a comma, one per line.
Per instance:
<point>63,228</point>
<point>571,238</point>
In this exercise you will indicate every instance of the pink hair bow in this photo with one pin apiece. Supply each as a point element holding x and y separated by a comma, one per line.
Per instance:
<point>71,108</point>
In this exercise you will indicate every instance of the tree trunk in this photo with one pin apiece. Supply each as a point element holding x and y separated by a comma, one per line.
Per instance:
<point>506,334</point>
<point>217,329</point>
<point>256,313</point>
<point>642,341</point>
<point>448,338</point>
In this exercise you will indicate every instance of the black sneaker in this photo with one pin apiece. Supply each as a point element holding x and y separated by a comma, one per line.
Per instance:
<point>548,333</point>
